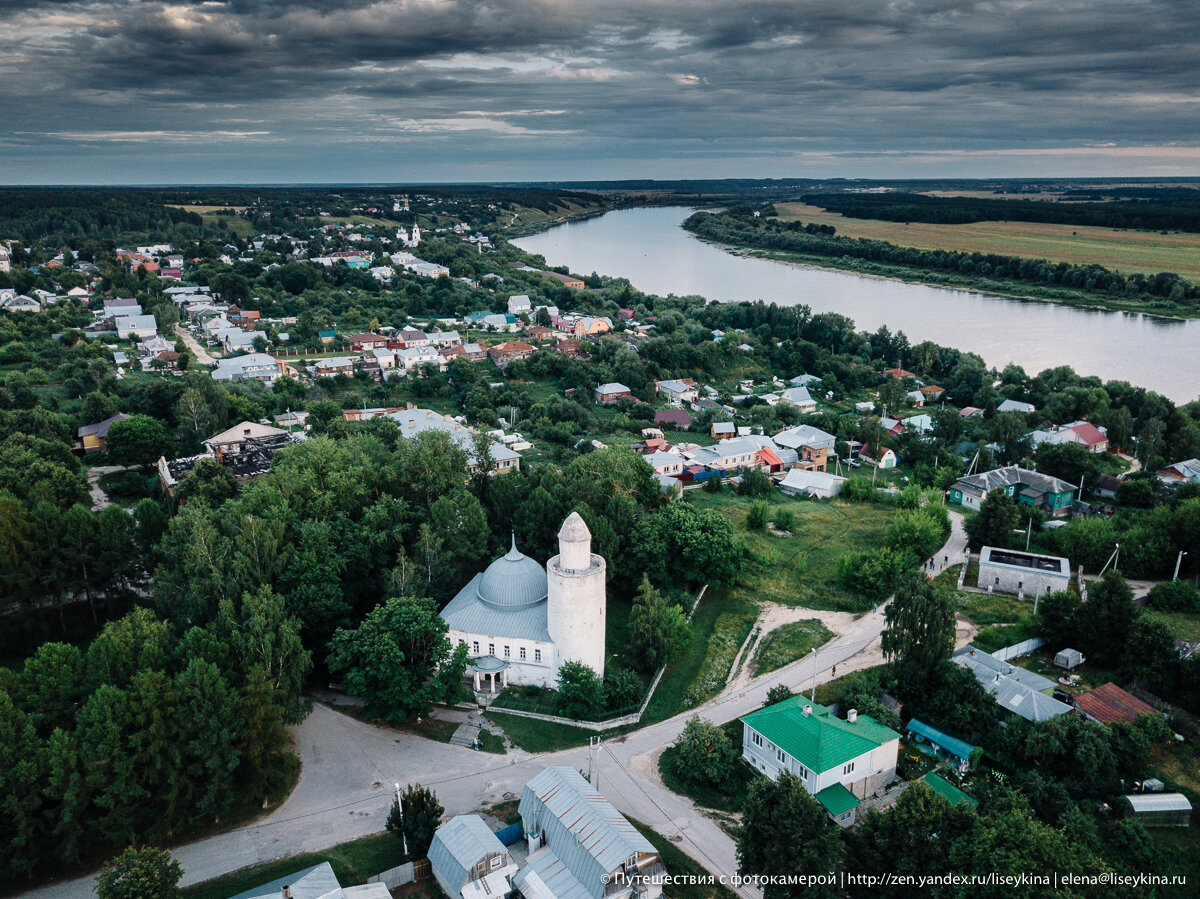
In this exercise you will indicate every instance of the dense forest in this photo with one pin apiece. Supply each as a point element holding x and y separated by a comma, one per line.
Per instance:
<point>1178,211</point>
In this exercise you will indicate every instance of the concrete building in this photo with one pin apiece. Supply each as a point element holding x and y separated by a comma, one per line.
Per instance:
<point>1021,573</point>
<point>521,622</point>
<point>839,762</point>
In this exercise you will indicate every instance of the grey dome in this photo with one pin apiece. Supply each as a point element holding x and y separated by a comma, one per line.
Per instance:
<point>513,580</point>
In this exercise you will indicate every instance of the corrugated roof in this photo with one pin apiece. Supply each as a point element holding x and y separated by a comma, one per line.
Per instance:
<point>805,435</point>
<point>458,845</point>
<point>1111,705</point>
<point>956,747</point>
<point>588,837</point>
<point>948,791</point>
<point>307,883</point>
<point>1015,688</point>
<point>837,799</point>
<point>1159,802</point>
<point>818,741</point>
<point>988,481</point>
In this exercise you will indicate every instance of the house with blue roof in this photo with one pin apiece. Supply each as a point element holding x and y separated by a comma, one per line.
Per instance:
<point>840,762</point>
<point>469,861</point>
<point>580,846</point>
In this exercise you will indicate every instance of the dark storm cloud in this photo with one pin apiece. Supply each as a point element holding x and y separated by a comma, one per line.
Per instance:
<point>496,81</point>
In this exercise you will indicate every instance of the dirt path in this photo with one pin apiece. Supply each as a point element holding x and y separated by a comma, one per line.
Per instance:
<point>201,354</point>
<point>100,499</point>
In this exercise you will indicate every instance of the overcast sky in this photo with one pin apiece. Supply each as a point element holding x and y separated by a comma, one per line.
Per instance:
<point>259,91</point>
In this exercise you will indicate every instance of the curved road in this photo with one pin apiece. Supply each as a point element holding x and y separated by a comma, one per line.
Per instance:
<point>349,767</point>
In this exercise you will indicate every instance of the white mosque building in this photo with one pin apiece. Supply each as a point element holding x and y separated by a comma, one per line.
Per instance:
<point>521,622</point>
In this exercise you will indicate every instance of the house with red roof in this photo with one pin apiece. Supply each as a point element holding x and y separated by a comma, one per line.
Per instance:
<point>898,373</point>
<point>1089,436</point>
<point>1109,704</point>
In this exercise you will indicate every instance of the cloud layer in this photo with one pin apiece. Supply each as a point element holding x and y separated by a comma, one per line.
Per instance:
<point>337,90</point>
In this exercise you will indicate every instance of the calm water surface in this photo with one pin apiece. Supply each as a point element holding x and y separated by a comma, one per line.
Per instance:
<point>648,247</point>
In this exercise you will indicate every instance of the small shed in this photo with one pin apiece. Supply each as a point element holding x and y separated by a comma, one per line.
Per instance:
<point>464,851</point>
<point>943,744</point>
<point>1161,809</point>
<point>1069,659</point>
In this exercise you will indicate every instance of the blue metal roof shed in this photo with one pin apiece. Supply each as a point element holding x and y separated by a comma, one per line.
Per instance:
<point>960,749</point>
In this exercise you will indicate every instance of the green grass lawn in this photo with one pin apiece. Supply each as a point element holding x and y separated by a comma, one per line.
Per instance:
<point>539,736</point>
<point>678,862</point>
<point>985,609</point>
<point>800,570</point>
<point>1184,625</point>
<point>788,643</point>
<point>683,671</point>
<point>352,862</point>
<point>490,742</point>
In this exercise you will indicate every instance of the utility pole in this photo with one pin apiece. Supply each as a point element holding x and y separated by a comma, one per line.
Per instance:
<point>1178,560</point>
<point>594,771</point>
<point>403,835</point>
<point>813,697</point>
<point>1028,532</point>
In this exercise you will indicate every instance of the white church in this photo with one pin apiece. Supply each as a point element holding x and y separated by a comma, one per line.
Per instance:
<point>521,622</point>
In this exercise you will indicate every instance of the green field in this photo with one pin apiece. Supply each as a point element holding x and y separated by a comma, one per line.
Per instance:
<point>1123,250</point>
<point>788,643</point>
<point>539,736</point>
<point>800,570</point>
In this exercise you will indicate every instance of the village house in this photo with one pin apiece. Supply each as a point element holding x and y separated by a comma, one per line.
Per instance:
<point>411,337</point>
<point>251,367</point>
<point>540,332</point>
<point>91,438</point>
<point>136,326</point>
<point>812,482</point>
<point>611,393</point>
<point>1015,406</point>
<point>334,365</point>
<point>444,338</point>
<point>1109,704</point>
<point>665,463</point>
<point>1016,689</point>
<point>1030,488</point>
<point>1187,471</point>
<point>413,421</point>
<point>580,847</point>
<point>468,861</point>
<point>673,418</point>
<point>415,356</point>
<point>840,763</point>
<point>519,304</point>
<point>678,391</point>
<point>800,398</point>
<point>590,326</point>
<point>504,353</point>
<point>568,348</point>
<point>719,430</point>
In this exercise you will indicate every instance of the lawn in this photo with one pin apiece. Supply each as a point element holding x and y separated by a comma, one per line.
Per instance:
<point>352,862</point>
<point>985,609</point>
<point>1129,251</point>
<point>539,736</point>
<point>1184,625</point>
<point>681,673</point>
<point>677,862</point>
<point>800,570</point>
<point>490,742</point>
<point>788,643</point>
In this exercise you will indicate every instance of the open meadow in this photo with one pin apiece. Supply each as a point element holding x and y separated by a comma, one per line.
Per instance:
<point>1123,250</point>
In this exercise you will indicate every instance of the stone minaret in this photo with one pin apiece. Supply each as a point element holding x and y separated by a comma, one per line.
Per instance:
<point>575,610</point>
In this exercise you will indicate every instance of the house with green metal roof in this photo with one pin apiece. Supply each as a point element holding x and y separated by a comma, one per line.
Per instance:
<point>840,762</point>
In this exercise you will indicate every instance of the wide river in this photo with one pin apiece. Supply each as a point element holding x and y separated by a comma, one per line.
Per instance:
<point>648,247</point>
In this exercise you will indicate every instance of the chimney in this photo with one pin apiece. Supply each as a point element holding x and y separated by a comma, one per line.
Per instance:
<point>807,710</point>
<point>852,715</point>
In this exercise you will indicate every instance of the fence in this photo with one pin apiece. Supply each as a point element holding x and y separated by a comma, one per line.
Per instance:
<point>510,834</point>
<point>1024,648</point>
<point>394,877</point>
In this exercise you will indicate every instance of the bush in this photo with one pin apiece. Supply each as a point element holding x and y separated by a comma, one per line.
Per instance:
<point>127,484</point>
<point>874,574</point>
<point>706,755</point>
<point>580,691</point>
<point>622,688</point>
<point>858,490</point>
<point>784,519</point>
<point>714,485</point>
<point>1174,596</point>
<point>756,516</point>
<point>754,482</point>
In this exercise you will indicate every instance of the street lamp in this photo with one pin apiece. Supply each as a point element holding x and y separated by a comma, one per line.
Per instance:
<point>400,808</point>
<point>1178,560</point>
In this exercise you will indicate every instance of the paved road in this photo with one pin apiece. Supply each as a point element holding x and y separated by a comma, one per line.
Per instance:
<point>348,769</point>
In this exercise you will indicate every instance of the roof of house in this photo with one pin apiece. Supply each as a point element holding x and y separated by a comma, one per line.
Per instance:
<point>459,844</point>
<point>675,386</point>
<point>239,364</point>
<point>1015,406</point>
<point>612,387</point>
<point>1110,704</point>
<point>724,427</point>
<point>798,396</point>
<point>1089,434</point>
<point>659,458</point>
<point>100,428</point>
<point>1016,689</point>
<point>988,481</point>
<point>673,417</point>
<point>804,380</point>
<point>512,348</point>
<point>953,745</point>
<point>413,421</point>
<point>247,429</point>
<point>799,479</point>
<point>587,836</point>
<point>819,741</point>
<point>1188,470</point>
<point>804,435</point>
<point>948,791</point>
<point>137,323</point>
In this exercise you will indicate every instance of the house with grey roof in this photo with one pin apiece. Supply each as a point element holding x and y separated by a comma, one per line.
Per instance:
<point>677,391</point>
<point>414,421</point>
<point>804,380</point>
<point>136,326</point>
<point>251,367</point>
<point>800,398</point>
<point>580,846</point>
<point>1015,406</point>
<point>1016,689</point>
<point>316,882</point>
<point>805,435</point>
<point>1030,488</point>
<point>665,463</point>
<point>469,861</point>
